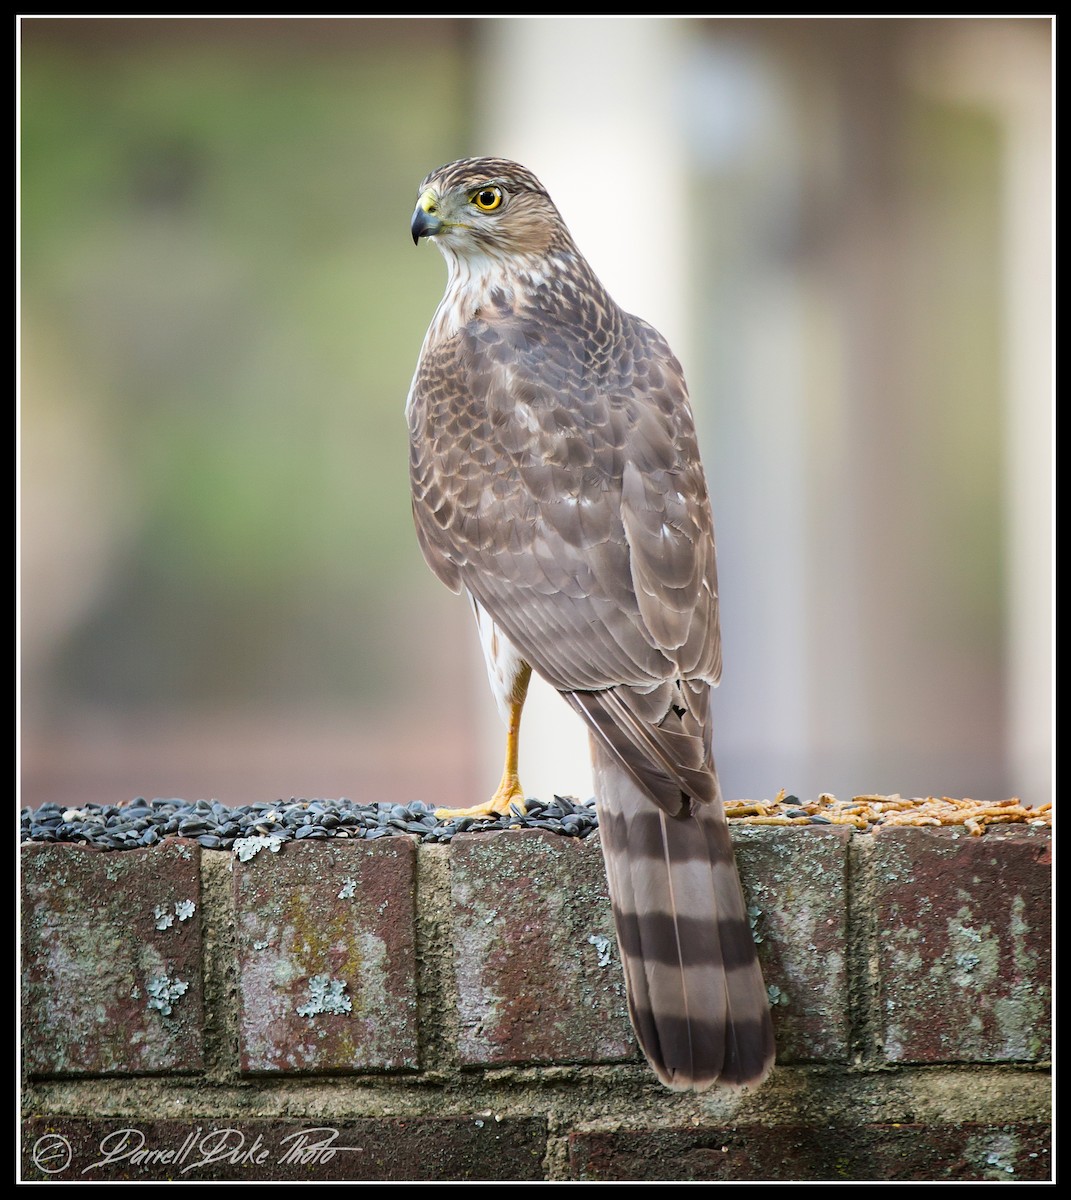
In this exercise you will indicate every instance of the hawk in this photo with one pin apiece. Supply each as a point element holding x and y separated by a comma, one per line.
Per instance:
<point>556,481</point>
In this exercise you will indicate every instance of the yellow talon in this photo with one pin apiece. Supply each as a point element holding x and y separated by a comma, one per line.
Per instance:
<point>509,792</point>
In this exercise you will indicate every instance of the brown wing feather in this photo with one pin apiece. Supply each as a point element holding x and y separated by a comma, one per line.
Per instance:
<point>536,490</point>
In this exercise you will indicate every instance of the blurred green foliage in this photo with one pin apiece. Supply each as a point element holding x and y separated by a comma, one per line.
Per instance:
<point>220,296</point>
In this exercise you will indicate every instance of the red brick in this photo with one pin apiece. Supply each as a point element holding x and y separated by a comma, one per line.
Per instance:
<point>101,932</point>
<point>342,913</point>
<point>796,877</point>
<point>964,928</point>
<point>532,985</point>
<point>831,1153</point>
<point>476,1147</point>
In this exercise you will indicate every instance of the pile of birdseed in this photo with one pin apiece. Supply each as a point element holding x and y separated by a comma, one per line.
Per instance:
<point>140,823</point>
<point>215,826</point>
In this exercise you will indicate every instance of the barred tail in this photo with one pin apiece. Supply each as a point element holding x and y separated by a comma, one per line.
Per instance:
<point>695,989</point>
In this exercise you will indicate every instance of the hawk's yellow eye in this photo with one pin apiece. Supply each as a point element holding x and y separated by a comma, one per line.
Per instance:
<point>487,199</point>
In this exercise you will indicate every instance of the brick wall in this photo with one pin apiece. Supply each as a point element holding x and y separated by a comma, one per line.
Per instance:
<point>383,1010</point>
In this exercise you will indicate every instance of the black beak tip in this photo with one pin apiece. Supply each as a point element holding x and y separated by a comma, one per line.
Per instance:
<point>424,224</point>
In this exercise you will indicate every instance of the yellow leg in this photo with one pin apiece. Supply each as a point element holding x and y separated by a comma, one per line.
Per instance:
<point>509,791</point>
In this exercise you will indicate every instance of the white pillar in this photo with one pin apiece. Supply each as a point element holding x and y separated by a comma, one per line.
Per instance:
<point>1029,427</point>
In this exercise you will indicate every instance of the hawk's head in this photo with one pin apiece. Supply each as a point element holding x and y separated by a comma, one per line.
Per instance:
<point>486,207</point>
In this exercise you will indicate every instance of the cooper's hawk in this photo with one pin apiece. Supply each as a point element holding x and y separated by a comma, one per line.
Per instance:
<point>556,480</point>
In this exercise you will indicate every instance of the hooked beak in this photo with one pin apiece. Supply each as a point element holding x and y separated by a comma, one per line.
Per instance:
<point>425,223</point>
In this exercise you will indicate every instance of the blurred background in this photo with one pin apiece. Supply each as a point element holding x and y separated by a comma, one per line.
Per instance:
<point>842,226</point>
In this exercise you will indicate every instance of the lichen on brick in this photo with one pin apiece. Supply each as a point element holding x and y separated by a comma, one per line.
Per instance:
<point>246,848</point>
<point>183,909</point>
<point>994,1153</point>
<point>164,993</point>
<point>326,995</point>
<point>603,946</point>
